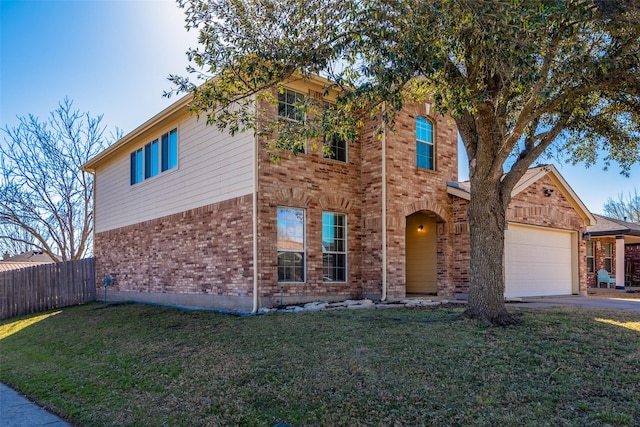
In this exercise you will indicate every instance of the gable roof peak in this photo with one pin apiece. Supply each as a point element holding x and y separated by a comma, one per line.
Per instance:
<point>533,174</point>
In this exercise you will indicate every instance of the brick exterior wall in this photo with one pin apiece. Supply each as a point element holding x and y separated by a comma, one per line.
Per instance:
<point>631,261</point>
<point>411,189</point>
<point>371,220</point>
<point>316,184</point>
<point>599,244</point>
<point>530,207</point>
<point>632,264</point>
<point>209,250</point>
<point>462,239</point>
<point>201,251</point>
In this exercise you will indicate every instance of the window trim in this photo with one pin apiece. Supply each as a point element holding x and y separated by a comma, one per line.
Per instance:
<point>345,252</point>
<point>329,105</point>
<point>297,94</point>
<point>147,158</point>
<point>151,159</point>
<point>304,246</point>
<point>431,144</point>
<point>166,163</point>
<point>346,151</point>
<point>299,97</point>
<point>136,166</point>
<point>608,256</point>
<point>590,268</point>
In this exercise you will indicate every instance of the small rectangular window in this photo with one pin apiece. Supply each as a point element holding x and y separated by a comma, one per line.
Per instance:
<point>424,143</point>
<point>590,263</point>
<point>136,166</point>
<point>608,255</point>
<point>291,245</point>
<point>155,157</point>
<point>170,150</point>
<point>151,159</point>
<point>334,247</point>
<point>337,149</point>
<point>290,105</point>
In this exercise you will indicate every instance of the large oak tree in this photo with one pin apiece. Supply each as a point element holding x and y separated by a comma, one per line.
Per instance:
<point>518,77</point>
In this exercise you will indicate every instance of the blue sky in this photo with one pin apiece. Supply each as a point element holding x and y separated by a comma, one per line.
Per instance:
<point>110,57</point>
<point>113,57</point>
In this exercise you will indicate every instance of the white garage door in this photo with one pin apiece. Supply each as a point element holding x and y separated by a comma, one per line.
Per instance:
<point>537,262</point>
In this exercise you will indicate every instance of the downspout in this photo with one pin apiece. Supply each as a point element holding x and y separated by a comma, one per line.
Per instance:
<point>255,218</point>
<point>384,208</point>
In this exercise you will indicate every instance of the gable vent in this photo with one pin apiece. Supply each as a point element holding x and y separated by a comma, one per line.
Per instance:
<point>315,94</point>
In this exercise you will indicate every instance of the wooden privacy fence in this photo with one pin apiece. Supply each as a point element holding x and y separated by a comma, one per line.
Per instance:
<point>47,286</point>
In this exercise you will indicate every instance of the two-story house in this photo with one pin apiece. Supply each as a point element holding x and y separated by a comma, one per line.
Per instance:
<point>188,215</point>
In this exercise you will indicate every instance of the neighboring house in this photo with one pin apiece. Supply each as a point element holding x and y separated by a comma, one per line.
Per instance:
<point>609,238</point>
<point>184,213</point>
<point>24,260</point>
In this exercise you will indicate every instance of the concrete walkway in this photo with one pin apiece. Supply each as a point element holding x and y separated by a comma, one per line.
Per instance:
<point>610,303</point>
<point>18,411</point>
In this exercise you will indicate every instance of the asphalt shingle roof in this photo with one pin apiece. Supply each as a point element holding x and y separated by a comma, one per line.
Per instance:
<point>608,226</point>
<point>24,260</point>
<point>30,256</point>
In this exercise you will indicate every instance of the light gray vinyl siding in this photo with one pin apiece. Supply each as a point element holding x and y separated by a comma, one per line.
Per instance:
<point>212,167</point>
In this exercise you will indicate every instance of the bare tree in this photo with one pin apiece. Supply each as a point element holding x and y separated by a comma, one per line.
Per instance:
<point>14,247</point>
<point>625,209</point>
<point>46,201</point>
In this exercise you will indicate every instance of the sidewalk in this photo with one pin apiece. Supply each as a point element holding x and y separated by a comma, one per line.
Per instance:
<point>17,411</point>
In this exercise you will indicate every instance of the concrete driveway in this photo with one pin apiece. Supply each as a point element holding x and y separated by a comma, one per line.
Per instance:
<point>579,301</point>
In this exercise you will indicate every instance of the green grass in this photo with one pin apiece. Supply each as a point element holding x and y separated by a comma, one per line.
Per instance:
<point>151,366</point>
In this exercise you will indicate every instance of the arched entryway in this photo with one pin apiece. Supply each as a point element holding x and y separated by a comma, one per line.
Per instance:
<point>421,253</point>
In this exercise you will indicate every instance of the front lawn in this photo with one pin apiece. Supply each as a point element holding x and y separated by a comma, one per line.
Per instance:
<point>151,366</point>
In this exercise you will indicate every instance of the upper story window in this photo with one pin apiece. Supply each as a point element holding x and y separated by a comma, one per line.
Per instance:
<point>425,149</point>
<point>136,166</point>
<point>157,156</point>
<point>337,149</point>
<point>291,245</point>
<point>335,146</point>
<point>151,159</point>
<point>289,103</point>
<point>590,259</point>
<point>170,150</point>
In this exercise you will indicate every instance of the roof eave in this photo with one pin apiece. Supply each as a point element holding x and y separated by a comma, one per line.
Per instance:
<point>176,107</point>
<point>622,232</point>
<point>454,190</point>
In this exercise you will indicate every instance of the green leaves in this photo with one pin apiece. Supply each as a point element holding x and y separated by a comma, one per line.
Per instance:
<point>527,65</point>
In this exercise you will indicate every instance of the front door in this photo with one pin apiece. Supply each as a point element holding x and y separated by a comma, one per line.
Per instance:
<point>421,254</point>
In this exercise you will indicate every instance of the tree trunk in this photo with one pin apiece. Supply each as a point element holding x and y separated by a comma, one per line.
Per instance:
<point>487,220</point>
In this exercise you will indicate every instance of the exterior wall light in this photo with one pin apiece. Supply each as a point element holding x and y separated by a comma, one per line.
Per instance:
<point>420,227</point>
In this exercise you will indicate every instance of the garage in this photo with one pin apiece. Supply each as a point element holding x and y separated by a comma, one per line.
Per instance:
<point>538,261</point>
